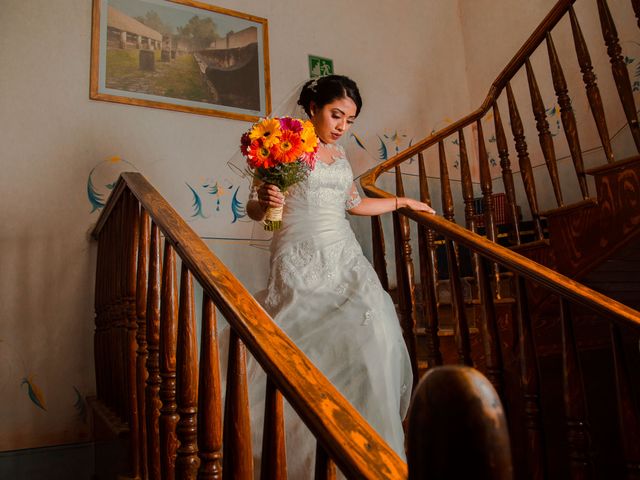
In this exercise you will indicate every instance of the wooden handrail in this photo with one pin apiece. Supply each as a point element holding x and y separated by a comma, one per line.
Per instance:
<point>529,269</point>
<point>344,434</point>
<point>533,42</point>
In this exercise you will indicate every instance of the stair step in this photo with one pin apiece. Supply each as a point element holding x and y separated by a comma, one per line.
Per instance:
<point>567,209</point>
<point>531,245</point>
<point>611,167</point>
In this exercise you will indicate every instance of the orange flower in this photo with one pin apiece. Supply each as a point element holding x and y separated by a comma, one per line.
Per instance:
<point>308,137</point>
<point>289,149</point>
<point>268,130</point>
<point>259,155</point>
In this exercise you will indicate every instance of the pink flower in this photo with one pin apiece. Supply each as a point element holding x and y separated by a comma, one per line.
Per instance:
<point>309,159</point>
<point>292,124</point>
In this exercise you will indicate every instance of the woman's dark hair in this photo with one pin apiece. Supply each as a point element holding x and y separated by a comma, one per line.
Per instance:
<point>324,90</point>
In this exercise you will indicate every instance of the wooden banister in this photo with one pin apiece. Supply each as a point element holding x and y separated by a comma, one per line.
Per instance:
<point>347,439</point>
<point>560,284</point>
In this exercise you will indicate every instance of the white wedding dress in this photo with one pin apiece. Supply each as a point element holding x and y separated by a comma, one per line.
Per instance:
<point>327,298</point>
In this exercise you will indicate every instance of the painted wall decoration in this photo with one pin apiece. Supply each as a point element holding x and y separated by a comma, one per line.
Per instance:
<point>103,178</point>
<point>179,55</point>
<point>34,392</point>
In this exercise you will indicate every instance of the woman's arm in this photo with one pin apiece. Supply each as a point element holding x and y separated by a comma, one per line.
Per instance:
<point>377,206</point>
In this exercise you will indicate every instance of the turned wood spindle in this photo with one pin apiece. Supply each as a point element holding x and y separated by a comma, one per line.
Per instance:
<point>461,326</point>
<point>152,390</point>
<point>187,381</point>
<point>530,384</point>
<point>575,406</point>
<point>237,459</point>
<point>591,86</point>
<point>544,135</point>
<point>507,174</point>
<point>628,417</point>
<point>428,275</point>
<point>378,246</point>
<point>141,335</point>
<point>325,468</point>
<point>274,455</point>
<point>209,397</point>
<point>567,116</point>
<point>168,344</point>
<point>526,171</point>
<point>619,69</point>
<point>405,278</point>
<point>487,199</point>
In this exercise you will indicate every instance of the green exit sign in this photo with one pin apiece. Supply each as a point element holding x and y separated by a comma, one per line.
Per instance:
<point>319,66</point>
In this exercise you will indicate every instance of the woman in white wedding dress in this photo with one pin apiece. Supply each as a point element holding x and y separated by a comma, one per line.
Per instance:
<point>323,292</point>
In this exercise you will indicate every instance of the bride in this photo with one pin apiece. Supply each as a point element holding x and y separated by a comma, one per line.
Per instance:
<point>323,292</point>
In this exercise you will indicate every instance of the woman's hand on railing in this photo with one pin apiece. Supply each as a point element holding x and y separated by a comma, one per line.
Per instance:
<point>418,206</point>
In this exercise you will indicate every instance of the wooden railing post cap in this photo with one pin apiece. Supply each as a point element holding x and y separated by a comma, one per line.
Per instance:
<point>467,431</point>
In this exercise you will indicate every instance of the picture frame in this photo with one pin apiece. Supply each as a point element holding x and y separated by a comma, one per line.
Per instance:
<point>180,55</point>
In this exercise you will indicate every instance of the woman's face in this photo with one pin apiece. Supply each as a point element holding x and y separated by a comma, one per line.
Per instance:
<point>334,119</point>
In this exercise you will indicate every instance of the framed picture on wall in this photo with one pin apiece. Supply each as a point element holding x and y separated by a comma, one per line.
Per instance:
<point>180,55</point>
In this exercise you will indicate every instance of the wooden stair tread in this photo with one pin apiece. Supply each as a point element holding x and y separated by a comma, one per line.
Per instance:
<point>446,331</point>
<point>610,167</point>
<point>531,245</point>
<point>586,203</point>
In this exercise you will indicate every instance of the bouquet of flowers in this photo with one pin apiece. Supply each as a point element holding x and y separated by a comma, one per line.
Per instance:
<point>280,151</point>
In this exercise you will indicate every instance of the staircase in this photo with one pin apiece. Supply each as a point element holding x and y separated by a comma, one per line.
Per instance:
<point>552,319</point>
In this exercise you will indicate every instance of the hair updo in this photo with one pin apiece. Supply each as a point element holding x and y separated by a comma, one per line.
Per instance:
<point>324,90</point>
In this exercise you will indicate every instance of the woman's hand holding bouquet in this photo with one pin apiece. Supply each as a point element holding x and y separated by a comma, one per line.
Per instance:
<point>281,152</point>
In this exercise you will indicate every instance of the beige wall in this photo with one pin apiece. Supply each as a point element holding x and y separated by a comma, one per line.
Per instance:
<point>53,136</point>
<point>420,64</point>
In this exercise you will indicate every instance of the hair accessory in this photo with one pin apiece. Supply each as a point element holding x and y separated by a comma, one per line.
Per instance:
<point>313,86</point>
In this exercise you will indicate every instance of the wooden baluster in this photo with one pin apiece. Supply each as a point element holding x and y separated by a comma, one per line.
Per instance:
<point>628,418</point>
<point>238,456</point>
<point>209,397</point>
<point>132,225</point>
<point>489,328</point>
<point>187,381</point>
<point>507,175</point>
<point>636,9</point>
<point>467,194</point>
<point>379,261</point>
<point>486,187</point>
<point>109,336</point>
<point>530,383</point>
<point>141,336</point>
<point>119,316</point>
<point>428,275</point>
<point>152,391</point>
<point>405,279</point>
<point>544,135</point>
<point>457,299</point>
<point>578,436</point>
<point>467,184</point>
<point>99,304</point>
<point>524,161</point>
<point>619,69</point>
<point>325,468</point>
<point>168,340</point>
<point>487,198</point>
<point>589,79</point>
<point>274,455</point>
<point>567,116</point>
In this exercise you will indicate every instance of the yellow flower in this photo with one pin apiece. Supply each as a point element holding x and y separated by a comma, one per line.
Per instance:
<point>308,137</point>
<point>268,130</point>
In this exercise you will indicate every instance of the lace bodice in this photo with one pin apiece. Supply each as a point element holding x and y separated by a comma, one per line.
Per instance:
<point>329,186</point>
